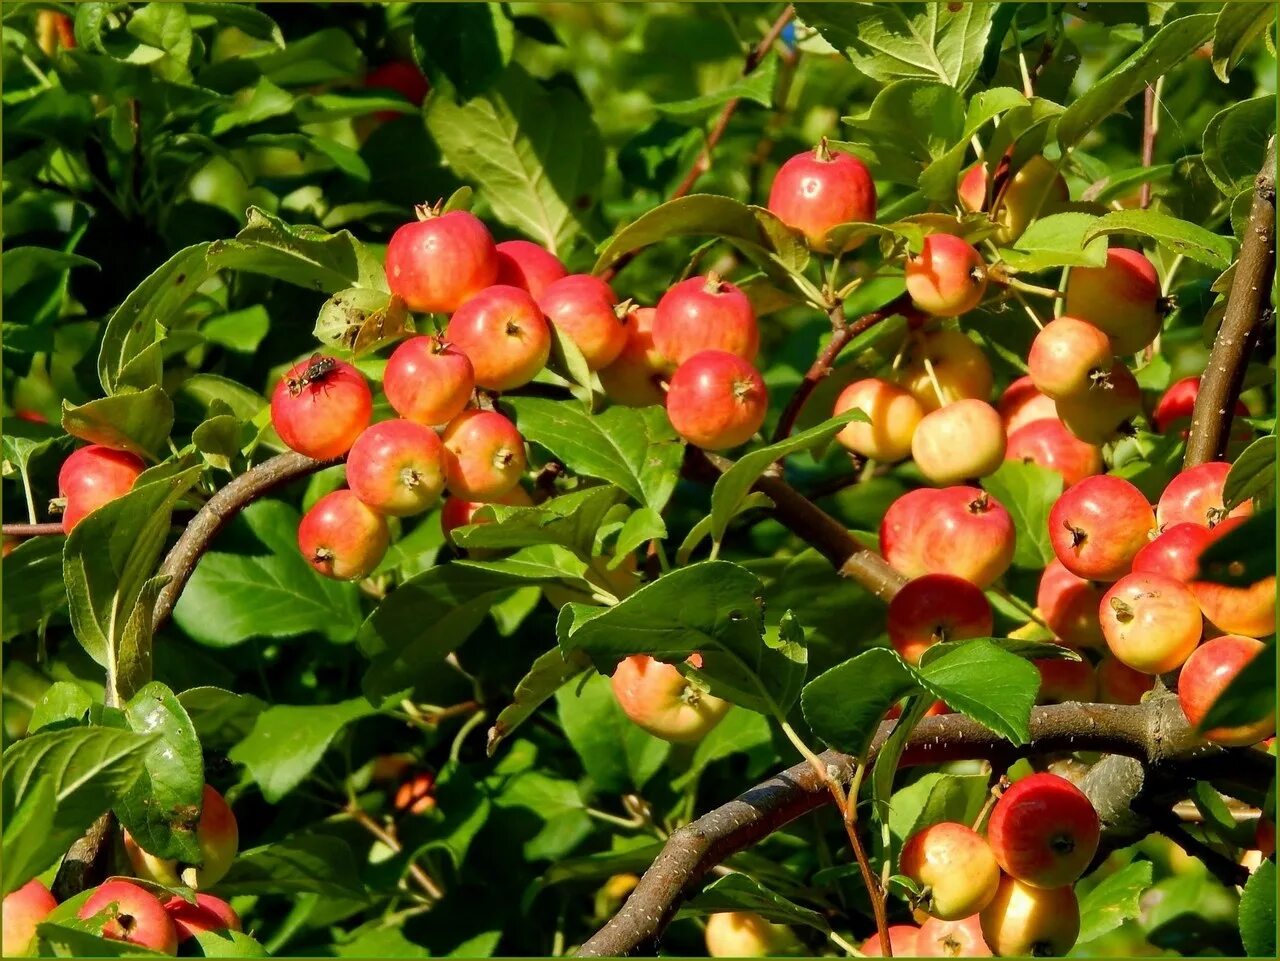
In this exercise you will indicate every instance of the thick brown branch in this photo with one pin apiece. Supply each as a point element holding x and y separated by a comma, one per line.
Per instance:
<point>1155,733</point>
<point>1246,303</point>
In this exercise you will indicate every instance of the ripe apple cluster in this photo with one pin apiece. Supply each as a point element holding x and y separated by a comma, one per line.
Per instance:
<point>132,911</point>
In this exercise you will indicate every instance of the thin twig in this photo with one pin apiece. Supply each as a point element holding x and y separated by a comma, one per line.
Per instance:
<point>1150,127</point>
<point>32,530</point>
<point>388,837</point>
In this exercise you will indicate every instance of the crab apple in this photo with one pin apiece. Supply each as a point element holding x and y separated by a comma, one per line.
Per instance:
<point>1102,411</point>
<point>934,608</point>
<point>1264,836</point>
<point>820,189</point>
<point>401,76</point>
<point>93,476</point>
<point>1174,552</point>
<point>1063,680</point>
<point>583,308</point>
<point>1037,189</point>
<point>658,698</point>
<point>320,406</point>
<point>138,916</point>
<point>342,537</point>
<point>1044,831</point>
<point>948,277</point>
<point>960,370</point>
<point>441,260</point>
<point>1027,921</point>
<point>1195,496</point>
<point>23,909</point>
<point>960,441</point>
<point>893,414</point>
<point>428,380</point>
<point>218,836</point>
<point>1247,610</point>
<point>1021,404</point>
<point>716,400</point>
<point>1098,525</point>
<point>952,939</point>
<point>1068,357</point>
<point>957,866</point>
<point>1174,409</point>
<point>397,467</point>
<point>705,313</point>
<point>936,709</point>
<point>207,914</point>
<point>633,379</point>
<point>972,188</point>
<point>1206,674</point>
<point>484,455</point>
<point>1048,444</point>
<point>745,934</point>
<point>503,333</point>
<point>417,795</point>
<point>1151,621</point>
<point>459,512</point>
<point>903,939</point>
<point>961,531</point>
<point>1069,606</point>
<point>1122,299</point>
<point>1118,683</point>
<point>524,264</point>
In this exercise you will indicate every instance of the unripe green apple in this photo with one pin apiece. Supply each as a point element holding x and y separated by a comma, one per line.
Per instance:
<point>956,865</point>
<point>218,836</point>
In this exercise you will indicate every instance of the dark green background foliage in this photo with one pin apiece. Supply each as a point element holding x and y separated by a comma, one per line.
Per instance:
<point>220,170</point>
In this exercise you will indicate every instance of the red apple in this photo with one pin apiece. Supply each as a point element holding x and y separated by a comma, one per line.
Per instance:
<point>1151,622</point>
<point>503,333</point>
<point>136,916</point>
<point>634,378</point>
<point>1195,496</point>
<point>401,76</point>
<point>528,266</point>
<point>902,939</point>
<point>960,369</point>
<point>1174,410</point>
<point>952,939</point>
<point>583,308</point>
<point>957,530</point>
<point>1098,525</point>
<point>417,794</point>
<point>948,277</point>
<point>705,313</point>
<point>1120,684</point>
<point>320,406</point>
<point>1044,831</point>
<point>956,865</point>
<point>207,914</point>
<point>343,538</point>
<point>935,608</point>
<point>972,188</point>
<point>820,189</point>
<point>1021,404</point>
<point>1122,299</point>
<point>1098,414</point>
<point>1069,357</point>
<point>962,441</point>
<point>716,400</point>
<point>893,413</point>
<point>428,381</point>
<point>93,476</point>
<point>484,455</point>
<point>1048,444</point>
<point>23,909</point>
<point>441,261</point>
<point>1174,552</point>
<point>1206,674</point>
<point>658,698</point>
<point>397,467</point>
<point>1026,921</point>
<point>1069,606</point>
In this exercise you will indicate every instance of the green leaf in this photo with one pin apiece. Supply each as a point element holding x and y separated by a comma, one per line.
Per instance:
<point>635,448</point>
<point>300,254</point>
<point>34,589</point>
<point>737,892</point>
<point>1180,236</point>
<point>162,809</point>
<point>1175,42</point>
<point>1235,142</point>
<point>29,836</point>
<point>1250,697</point>
<point>221,718</point>
<point>555,809</point>
<point>1057,240</point>
<point>617,755</point>
<point>548,673</point>
<point>994,687</point>
<point>1237,27</point>
<point>934,798</point>
<point>845,705</point>
<point>167,28</point>
<point>569,519</point>
<point>1258,912</point>
<point>87,769</point>
<point>907,40</point>
<point>288,741</point>
<point>228,944</point>
<point>738,734</point>
<point>1028,491</point>
<point>70,939</point>
<point>303,863</point>
<point>466,46</point>
<point>642,525</point>
<point>735,483</point>
<point>886,763</point>
<point>540,562</point>
<point>1113,901</point>
<point>1244,555</point>
<point>757,87</point>
<point>535,153</point>
<point>252,21</point>
<point>64,704</point>
<point>135,421</point>
<point>1252,475</point>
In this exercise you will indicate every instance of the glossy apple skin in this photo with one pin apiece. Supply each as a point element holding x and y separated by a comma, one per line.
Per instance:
<point>397,467</point>
<point>1022,404</point>
<point>1121,299</point>
<point>342,538</point>
<point>207,914</point>
<point>1098,525</point>
<point>820,189</point>
<point>961,441</point>
<point>893,412</point>
<point>323,418</point>
<point>934,608</point>
<point>428,380</point>
<point>582,307</point>
<point>1044,831</point>
<point>903,938</point>
<point>1174,410</point>
<point>1069,606</point>
<point>524,264</point>
<point>1174,552</point>
<point>1037,189</point>
<point>745,934</point>
<point>504,334</point>
<point>1195,496</point>
<point>484,455</point>
<point>417,794</point>
<point>139,918</point>
<point>957,530</point>
<point>658,698</point>
<point>218,836</point>
<point>23,910</point>
<point>716,400</point>
<point>1120,684</point>
<point>1048,444</point>
<point>1098,414</point>
<point>1206,674</point>
<point>1068,357</point>
<point>956,864</point>
<point>1151,622</point>
<point>960,368</point>
<point>93,476</point>
<point>1063,681</point>
<point>438,264</point>
<point>404,78</point>
<point>1026,921</point>
<point>459,512</point>
<point>952,939</point>
<point>948,277</point>
<point>634,378</point>
<point>705,313</point>
<point>971,188</point>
